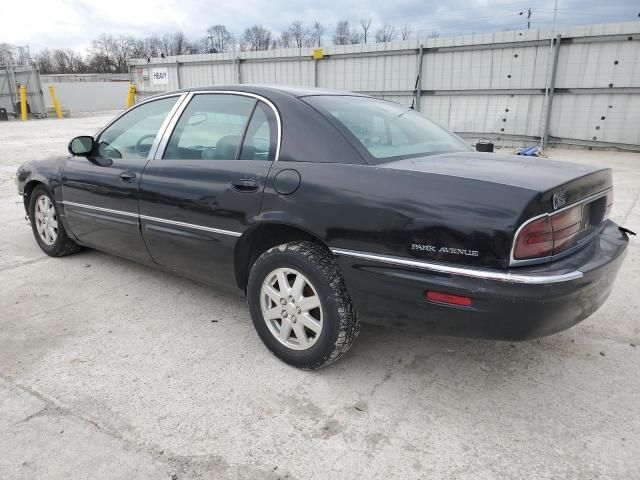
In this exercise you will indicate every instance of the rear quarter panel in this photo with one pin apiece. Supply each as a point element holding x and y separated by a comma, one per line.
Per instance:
<point>387,211</point>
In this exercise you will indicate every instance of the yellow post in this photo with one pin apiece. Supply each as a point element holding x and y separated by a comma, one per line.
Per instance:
<point>56,105</point>
<point>131,97</point>
<point>23,102</point>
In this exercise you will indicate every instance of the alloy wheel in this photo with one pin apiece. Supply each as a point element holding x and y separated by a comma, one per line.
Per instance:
<point>291,308</point>
<point>46,220</point>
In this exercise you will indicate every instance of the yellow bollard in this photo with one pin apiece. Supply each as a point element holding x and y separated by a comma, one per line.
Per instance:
<point>23,102</point>
<point>56,105</point>
<point>131,97</point>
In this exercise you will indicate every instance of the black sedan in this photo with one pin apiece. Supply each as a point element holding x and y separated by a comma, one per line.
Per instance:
<point>329,207</point>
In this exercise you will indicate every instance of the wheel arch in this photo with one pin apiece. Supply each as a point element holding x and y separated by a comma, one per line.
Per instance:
<point>260,238</point>
<point>29,187</point>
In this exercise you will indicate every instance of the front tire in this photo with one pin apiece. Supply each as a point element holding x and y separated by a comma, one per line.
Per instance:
<point>300,306</point>
<point>46,225</point>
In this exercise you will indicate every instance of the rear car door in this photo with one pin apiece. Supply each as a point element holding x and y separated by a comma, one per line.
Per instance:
<point>204,187</point>
<point>100,193</point>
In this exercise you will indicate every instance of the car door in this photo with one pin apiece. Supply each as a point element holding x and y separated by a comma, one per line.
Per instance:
<point>204,187</point>
<point>100,192</point>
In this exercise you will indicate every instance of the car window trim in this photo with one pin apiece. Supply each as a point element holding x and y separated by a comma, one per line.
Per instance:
<point>162,145</point>
<point>245,129</point>
<point>181,96</point>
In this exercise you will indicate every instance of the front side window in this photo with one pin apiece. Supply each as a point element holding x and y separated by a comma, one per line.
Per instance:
<point>387,130</point>
<point>132,135</point>
<point>210,128</point>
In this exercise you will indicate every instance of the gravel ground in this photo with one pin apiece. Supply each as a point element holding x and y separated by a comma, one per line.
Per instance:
<point>109,369</point>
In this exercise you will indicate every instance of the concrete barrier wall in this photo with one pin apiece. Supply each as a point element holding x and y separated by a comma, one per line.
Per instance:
<point>88,96</point>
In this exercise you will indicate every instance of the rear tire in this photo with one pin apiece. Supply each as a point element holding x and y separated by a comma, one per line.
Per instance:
<point>300,306</point>
<point>46,225</point>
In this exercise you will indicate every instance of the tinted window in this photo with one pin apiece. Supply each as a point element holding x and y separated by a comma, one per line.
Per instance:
<point>261,137</point>
<point>132,135</point>
<point>210,128</point>
<point>388,131</point>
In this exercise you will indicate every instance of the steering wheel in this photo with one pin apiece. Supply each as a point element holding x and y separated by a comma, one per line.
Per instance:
<point>144,149</point>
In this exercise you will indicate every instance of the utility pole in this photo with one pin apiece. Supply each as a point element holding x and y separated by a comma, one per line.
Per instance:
<point>528,18</point>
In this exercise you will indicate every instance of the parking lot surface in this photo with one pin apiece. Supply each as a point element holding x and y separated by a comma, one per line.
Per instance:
<point>109,369</point>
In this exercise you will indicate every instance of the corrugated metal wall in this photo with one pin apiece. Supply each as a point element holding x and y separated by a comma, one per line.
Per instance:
<point>10,77</point>
<point>488,85</point>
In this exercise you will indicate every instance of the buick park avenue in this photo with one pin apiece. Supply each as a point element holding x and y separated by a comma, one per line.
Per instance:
<point>326,208</point>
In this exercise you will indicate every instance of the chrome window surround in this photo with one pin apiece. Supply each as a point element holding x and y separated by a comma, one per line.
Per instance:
<point>508,277</point>
<point>175,117</point>
<point>538,260</point>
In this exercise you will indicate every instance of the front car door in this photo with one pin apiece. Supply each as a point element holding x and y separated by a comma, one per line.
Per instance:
<point>100,193</point>
<point>204,186</point>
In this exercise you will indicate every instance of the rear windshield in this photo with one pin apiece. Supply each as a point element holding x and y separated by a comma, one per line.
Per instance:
<point>387,130</point>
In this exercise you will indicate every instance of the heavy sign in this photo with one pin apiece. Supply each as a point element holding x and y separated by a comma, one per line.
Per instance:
<point>160,76</point>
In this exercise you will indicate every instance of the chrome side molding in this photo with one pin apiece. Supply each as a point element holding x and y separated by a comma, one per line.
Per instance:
<point>486,274</point>
<point>154,219</point>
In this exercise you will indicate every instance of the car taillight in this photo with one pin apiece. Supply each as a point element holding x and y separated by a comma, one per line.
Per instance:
<point>566,225</point>
<point>549,235</point>
<point>534,240</point>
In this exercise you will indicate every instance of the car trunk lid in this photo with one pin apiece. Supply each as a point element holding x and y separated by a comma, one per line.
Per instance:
<point>556,183</point>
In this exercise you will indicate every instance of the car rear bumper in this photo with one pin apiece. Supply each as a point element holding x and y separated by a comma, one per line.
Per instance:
<point>516,304</point>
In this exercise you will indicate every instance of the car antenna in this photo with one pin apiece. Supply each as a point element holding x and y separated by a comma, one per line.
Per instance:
<point>412,104</point>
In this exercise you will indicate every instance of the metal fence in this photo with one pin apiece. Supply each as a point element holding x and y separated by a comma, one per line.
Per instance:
<point>84,77</point>
<point>11,76</point>
<point>577,85</point>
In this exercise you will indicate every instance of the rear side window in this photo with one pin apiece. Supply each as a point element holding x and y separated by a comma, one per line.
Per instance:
<point>387,130</point>
<point>261,137</point>
<point>210,128</point>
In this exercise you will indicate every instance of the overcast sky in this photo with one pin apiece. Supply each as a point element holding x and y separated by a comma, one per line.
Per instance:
<point>74,23</point>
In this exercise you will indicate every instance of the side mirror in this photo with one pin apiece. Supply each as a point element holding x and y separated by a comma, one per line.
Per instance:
<point>81,146</point>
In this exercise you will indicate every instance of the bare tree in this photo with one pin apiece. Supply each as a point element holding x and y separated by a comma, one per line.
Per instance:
<point>123,48</point>
<point>316,34</point>
<point>174,44</point>
<point>65,61</point>
<point>345,35</point>
<point>342,34</point>
<point>285,40</point>
<point>152,46</point>
<point>102,54</point>
<point>405,31</point>
<point>386,34</point>
<point>354,37</point>
<point>220,39</point>
<point>365,23</point>
<point>299,35</point>
<point>257,38</point>
<point>43,61</point>
<point>6,54</point>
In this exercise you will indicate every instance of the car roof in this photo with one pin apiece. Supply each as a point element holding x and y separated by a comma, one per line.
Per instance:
<point>290,90</point>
